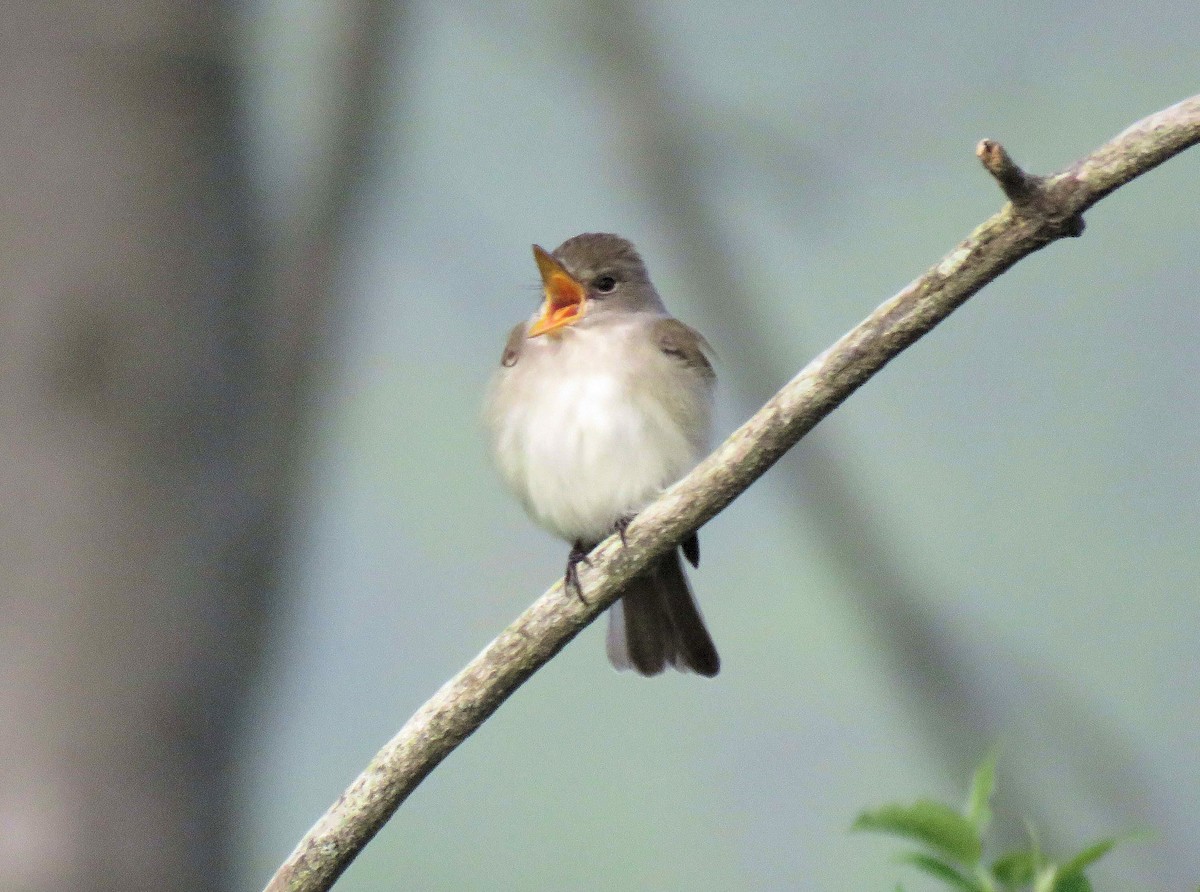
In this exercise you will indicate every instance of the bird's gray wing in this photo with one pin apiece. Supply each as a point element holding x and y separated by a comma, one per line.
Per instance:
<point>684,344</point>
<point>512,347</point>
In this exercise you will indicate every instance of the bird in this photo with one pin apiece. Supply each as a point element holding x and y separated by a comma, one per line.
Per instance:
<point>602,400</point>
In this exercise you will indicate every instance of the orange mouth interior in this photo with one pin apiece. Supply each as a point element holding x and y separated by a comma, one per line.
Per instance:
<point>565,297</point>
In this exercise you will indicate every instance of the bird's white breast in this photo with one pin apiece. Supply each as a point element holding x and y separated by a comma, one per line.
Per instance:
<point>589,427</point>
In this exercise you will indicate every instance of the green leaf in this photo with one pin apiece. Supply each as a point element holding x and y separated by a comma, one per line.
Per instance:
<point>1071,882</point>
<point>935,825</point>
<point>936,867</point>
<point>1045,879</point>
<point>1088,856</point>
<point>1016,868</point>
<point>983,783</point>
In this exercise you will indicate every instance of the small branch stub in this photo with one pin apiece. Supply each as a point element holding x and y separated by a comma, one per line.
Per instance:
<point>1032,196</point>
<point>1019,186</point>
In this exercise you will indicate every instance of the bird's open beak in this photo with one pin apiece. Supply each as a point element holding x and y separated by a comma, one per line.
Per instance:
<point>566,299</point>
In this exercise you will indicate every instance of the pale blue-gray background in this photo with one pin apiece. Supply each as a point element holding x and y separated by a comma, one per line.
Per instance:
<point>994,541</point>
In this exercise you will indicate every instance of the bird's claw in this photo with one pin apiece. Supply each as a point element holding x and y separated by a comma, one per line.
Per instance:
<point>577,556</point>
<point>622,525</point>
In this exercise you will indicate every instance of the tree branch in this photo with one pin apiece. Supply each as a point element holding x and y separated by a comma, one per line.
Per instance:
<point>1041,210</point>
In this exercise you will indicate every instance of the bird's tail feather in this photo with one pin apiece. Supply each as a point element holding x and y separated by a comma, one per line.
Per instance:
<point>658,624</point>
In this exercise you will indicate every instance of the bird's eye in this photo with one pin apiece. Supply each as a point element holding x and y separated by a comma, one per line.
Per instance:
<point>604,284</point>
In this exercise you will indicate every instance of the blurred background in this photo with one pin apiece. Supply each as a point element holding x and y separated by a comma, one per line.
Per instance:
<point>257,263</point>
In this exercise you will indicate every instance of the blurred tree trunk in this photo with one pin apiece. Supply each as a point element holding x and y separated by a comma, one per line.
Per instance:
<point>148,393</point>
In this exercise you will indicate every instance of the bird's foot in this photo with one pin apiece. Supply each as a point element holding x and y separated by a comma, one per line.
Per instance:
<point>577,556</point>
<point>622,525</point>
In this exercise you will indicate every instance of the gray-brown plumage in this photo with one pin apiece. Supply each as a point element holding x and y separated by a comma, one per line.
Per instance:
<point>601,401</point>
